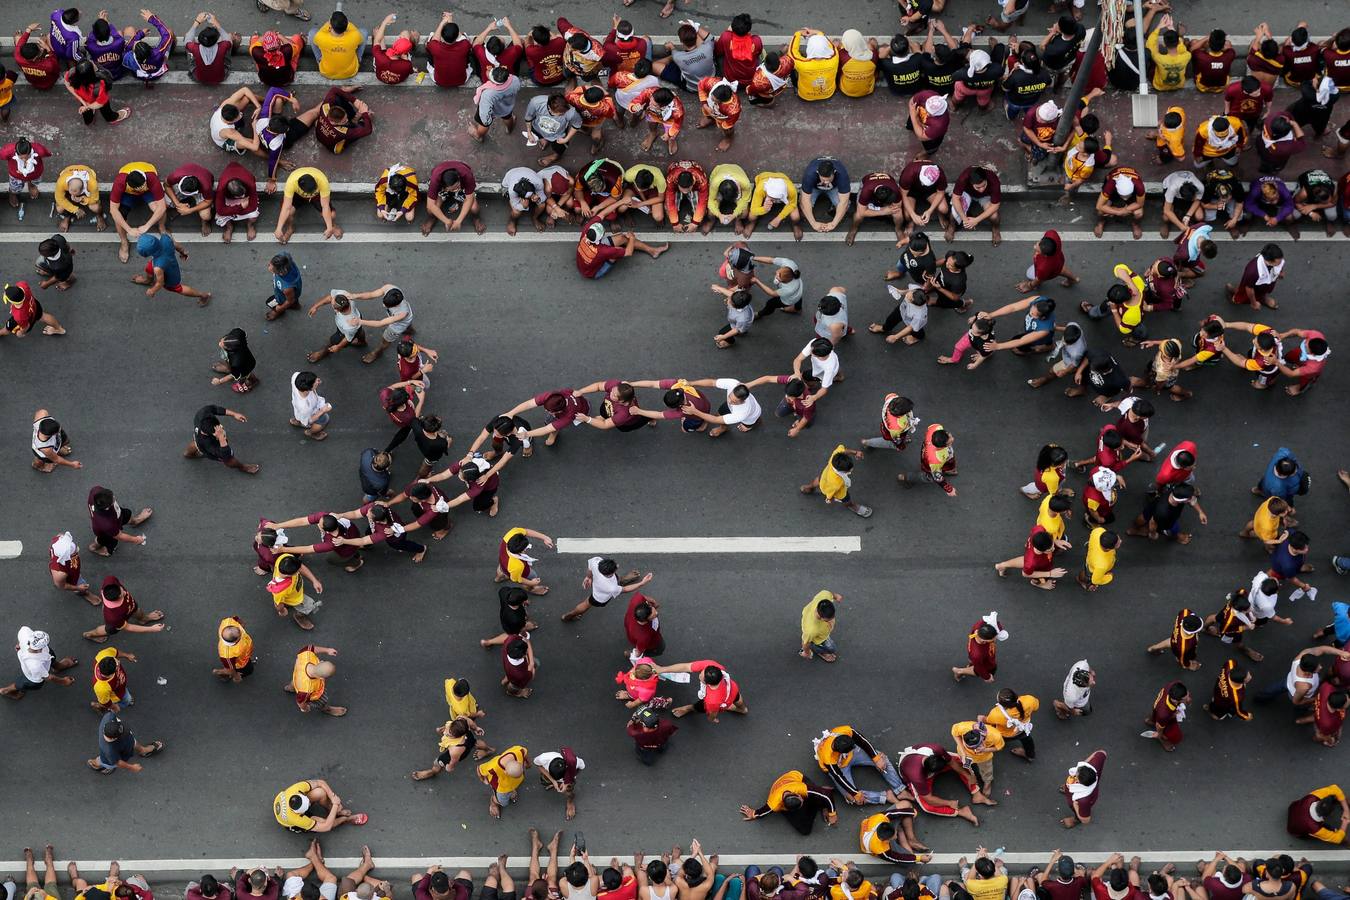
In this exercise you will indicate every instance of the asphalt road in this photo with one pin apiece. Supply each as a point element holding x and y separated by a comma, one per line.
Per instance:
<point>510,320</point>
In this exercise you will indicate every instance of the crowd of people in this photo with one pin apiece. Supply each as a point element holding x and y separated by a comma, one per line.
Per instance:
<point>1139,307</point>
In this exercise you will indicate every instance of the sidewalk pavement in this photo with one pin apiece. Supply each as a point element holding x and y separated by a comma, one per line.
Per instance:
<point>423,125</point>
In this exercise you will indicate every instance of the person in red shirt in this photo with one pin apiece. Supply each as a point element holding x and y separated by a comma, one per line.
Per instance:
<point>25,311</point>
<point>24,160</point>
<point>1212,58</point>
<point>191,190</point>
<point>1328,714</point>
<point>1184,641</point>
<point>1306,359</point>
<point>739,50</point>
<point>717,691</point>
<point>452,197</point>
<point>650,734</point>
<point>1336,59</point>
<point>982,650</point>
<point>920,765</point>
<point>597,250</point>
<point>64,564</point>
<point>490,52</point>
<point>664,113</point>
<point>209,47</point>
<point>1037,559</point>
<point>1225,884</point>
<point>1164,722</point>
<point>236,201</point>
<point>625,47</point>
<point>544,55</point>
<point>122,613</point>
<point>393,65</point>
<point>448,53</point>
<point>719,103</point>
<point>686,195</point>
<point>771,78</point>
<point>35,58</point>
<point>1112,881</point>
<point>642,626</point>
<point>878,196</point>
<point>1247,99</point>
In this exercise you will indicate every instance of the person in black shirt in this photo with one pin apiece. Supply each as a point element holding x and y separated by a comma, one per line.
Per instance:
<point>237,362</point>
<point>1312,109</point>
<point>1060,47</point>
<point>1100,372</point>
<point>981,72</point>
<point>56,258</point>
<point>1162,514</point>
<point>1124,73</point>
<point>513,614</point>
<point>209,440</point>
<point>504,433</point>
<point>432,440</point>
<point>940,63</point>
<point>1024,85</point>
<point>916,263</point>
<point>901,68</point>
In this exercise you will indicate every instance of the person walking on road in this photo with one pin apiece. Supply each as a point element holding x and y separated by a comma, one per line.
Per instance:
<point>309,680</point>
<point>818,621</point>
<point>1169,711</point>
<point>605,584</point>
<point>503,775</point>
<point>122,613</point>
<point>50,445</point>
<point>1082,788</point>
<point>209,439</point>
<point>63,562</point>
<point>982,649</point>
<point>25,311</point>
<point>37,665</point>
<point>515,565</point>
<point>287,588</point>
<point>161,269</point>
<point>234,648</point>
<point>558,771</point>
<point>117,746</point>
<point>107,520</point>
<point>717,691</point>
<point>835,481</point>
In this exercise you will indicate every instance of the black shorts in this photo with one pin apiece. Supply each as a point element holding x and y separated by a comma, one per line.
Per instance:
<point>490,892</point>
<point>633,424</point>
<point>483,502</point>
<point>22,683</point>
<point>592,601</point>
<point>246,670</point>
<point>337,337</point>
<point>479,122</point>
<point>294,132</point>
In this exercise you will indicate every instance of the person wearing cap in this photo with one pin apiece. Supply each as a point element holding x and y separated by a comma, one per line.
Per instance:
<point>923,191</point>
<point>1122,197</point>
<point>37,664</point>
<point>494,99</point>
<point>651,734</point>
<point>122,613</point>
<point>191,191</point>
<point>929,119</point>
<point>774,196</point>
<point>825,177</point>
<point>162,272</point>
<point>25,311</point>
<point>1081,788</point>
<point>396,194</point>
<point>393,65</point>
<point>117,746</point>
<point>878,195</point>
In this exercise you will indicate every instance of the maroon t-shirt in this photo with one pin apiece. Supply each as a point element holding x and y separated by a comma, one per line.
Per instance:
<point>739,67</point>
<point>404,415</point>
<point>41,73</point>
<point>1301,65</point>
<point>642,635</point>
<point>392,69</point>
<point>909,179</point>
<point>701,402</point>
<point>327,546</point>
<point>510,57</point>
<point>545,62</point>
<point>911,767</point>
<point>591,257</point>
<point>105,524</point>
<point>1211,69</point>
<point>380,531</point>
<point>869,186</point>
<point>481,486</point>
<point>1065,890</point>
<point>467,184</point>
<point>619,413</point>
<point>449,62</point>
<point>654,739</point>
<point>205,179</point>
<point>1217,890</point>
<point>993,189</point>
<point>574,405</point>
<point>215,71</point>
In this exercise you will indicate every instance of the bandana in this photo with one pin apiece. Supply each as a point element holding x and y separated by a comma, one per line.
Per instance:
<point>1227,141</point>
<point>595,233</point>
<point>282,538</point>
<point>1104,480</point>
<point>1304,355</point>
<point>776,189</point>
<point>1124,185</point>
<point>37,640</point>
<point>64,548</point>
<point>1080,791</point>
<point>1014,722</point>
<point>936,105</point>
<point>818,46</point>
<point>26,164</point>
<point>928,175</point>
<point>1265,272</point>
<point>992,619</point>
<point>977,61</point>
<point>715,109</point>
<point>1326,89</point>
<point>774,81</point>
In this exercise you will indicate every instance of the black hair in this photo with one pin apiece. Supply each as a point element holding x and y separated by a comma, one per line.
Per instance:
<point>338,21</point>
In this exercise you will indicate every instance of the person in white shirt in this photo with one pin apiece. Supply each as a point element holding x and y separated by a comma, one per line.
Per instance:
<point>1077,691</point>
<point>1264,594</point>
<point>37,664</point>
<point>824,367</point>
<point>604,583</point>
<point>741,408</point>
<point>308,410</point>
<point>558,771</point>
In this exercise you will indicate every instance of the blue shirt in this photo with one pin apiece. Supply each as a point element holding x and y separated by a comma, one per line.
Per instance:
<point>288,279</point>
<point>373,483</point>
<point>162,256</point>
<point>1340,620</point>
<point>1284,563</point>
<point>110,753</point>
<point>1284,487</point>
<point>811,180</point>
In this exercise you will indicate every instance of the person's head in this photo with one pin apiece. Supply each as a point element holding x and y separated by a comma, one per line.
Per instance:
<point>821,348</point>
<point>450,33</point>
<point>107,666</point>
<point>808,867</point>
<point>540,34</point>
<point>1265,341</point>
<point>1270,48</point>
<point>1042,542</point>
<point>381,461</point>
<point>1067,25</point>
<point>420,491</point>
<point>712,676</point>
<point>642,612</point>
<point>306,182</point>
<point>1279,128</point>
<point>516,648</point>
<point>1118,879</point>
<point>741,24</point>
<point>102,31</point>
<point>958,260</point>
<point>1064,869</point>
<point>1172,119</point>
<point>577,874</point>
<point>397,186</point>
<point>1170,39</point>
<point>918,243</point>
<point>48,427</point>
<point>1342,40</point>
<point>461,688</point>
<point>113,729</point>
<point>1298,541</point>
<point>379,513</point>
<point>740,299</point>
<point>208,424</point>
<point>657,870</point>
<point>854,879</point>
<point>1217,38</point>
<point>692,870</point>
<point>984,866</point>
<point>257,880</point>
<point>1059,503</point>
<point>495,45</point>
<point>328,524</point>
<point>1029,59</point>
<point>499,74</point>
<point>830,305</point>
<point>1219,125</point>
<point>207,36</point>
<point>825,172</point>
<point>842,743</point>
<point>900,47</point>
<point>611,878</point>
<point>518,543</point>
<point>885,831</point>
<point>580,43</point>
<point>722,93</point>
<point>396,398</point>
<point>688,35</point>
<point>338,22</point>
<point>986,632</point>
<point>623,392</point>
<point>685,180</point>
<point>842,463</point>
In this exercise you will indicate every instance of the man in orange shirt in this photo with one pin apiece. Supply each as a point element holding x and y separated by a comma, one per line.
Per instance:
<point>309,680</point>
<point>234,647</point>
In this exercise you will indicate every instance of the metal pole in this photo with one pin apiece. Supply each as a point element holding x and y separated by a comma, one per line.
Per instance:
<point>1079,85</point>
<point>1139,47</point>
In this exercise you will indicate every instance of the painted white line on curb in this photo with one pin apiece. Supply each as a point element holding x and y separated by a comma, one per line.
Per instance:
<point>834,544</point>
<point>421,863</point>
<point>10,549</point>
<point>566,235</point>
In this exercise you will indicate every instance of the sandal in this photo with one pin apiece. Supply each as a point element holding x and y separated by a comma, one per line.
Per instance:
<point>240,387</point>
<point>301,14</point>
<point>359,819</point>
<point>155,747</point>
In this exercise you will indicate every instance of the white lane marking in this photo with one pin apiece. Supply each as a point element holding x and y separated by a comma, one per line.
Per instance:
<point>421,863</point>
<point>10,549</point>
<point>566,235</point>
<point>829,544</point>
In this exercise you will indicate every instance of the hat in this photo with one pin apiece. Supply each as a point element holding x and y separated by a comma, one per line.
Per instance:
<point>271,40</point>
<point>776,189</point>
<point>401,46</point>
<point>1124,185</point>
<point>1047,111</point>
<point>936,105</point>
<point>928,175</point>
<point>648,717</point>
<point>39,640</point>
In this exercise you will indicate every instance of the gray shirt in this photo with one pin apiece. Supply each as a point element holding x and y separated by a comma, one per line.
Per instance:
<point>789,294</point>
<point>694,64</point>
<point>741,319</point>
<point>545,124</point>
<point>823,322</point>
<point>348,323</point>
<point>498,100</point>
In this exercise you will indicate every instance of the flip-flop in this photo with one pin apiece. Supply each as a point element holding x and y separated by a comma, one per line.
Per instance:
<point>359,819</point>
<point>155,747</point>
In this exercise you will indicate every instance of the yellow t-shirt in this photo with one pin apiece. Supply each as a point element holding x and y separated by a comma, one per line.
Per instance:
<point>1050,478</point>
<point>293,189</point>
<point>658,177</point>
<point>293,591</point>
<point>993,742</point>
<point>340,54</point>
<point>832,484</point>
<point>494,776</point>
<point>988,888</point>
<point>137,167</point>
<point>1050,520</point>
<point>814,628</point>
<point>734,173</point>
<point>515,568</point>
<point>760,203</point>
<point>1266,525</point>
<point>1100,562</point>
<point>1174,139</point>
<point>1170,74</point>
<point>864,891</point>
<point>998,720</point>
<point>241,651</point>
<point>459,706</point>
<point>309,687</point>
<point>84,173</point>
<point>287,817</point>
<point>103,691</point>
<point>6,89</point>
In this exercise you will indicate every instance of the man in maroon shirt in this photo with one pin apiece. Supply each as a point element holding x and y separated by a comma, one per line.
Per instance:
<point>107,519</point>
<point>489,52</point>
<point>625,46</point>
<point>122,613</point>
<point>642,626</point>
<point>452,197</point>
<point>209,47</point>
<point>1062,880</point>
<point>237,201</point>
<point>1112,881</point>
<point>544,55</point>
<point>878,195</point>
<point>330,526</point>
<point>1328,714</point>
<point>448,53</point>
<point>1226,884</point>
<point>35,58</point>
<point>739,50</point>
<point>919,765</point>
<point>393,65</point>
<point>619,409</point>
<point>191,191</point>
<point>1164,722</point>
<point>1247,99</point>
<point>650,734</point>
<point>923,189</point>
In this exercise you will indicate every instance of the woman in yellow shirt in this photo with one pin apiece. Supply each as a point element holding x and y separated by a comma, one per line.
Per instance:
<point>1051,517</point>
<point>1101,559</point>
<point>1011,718</point>
<point>835,480</point>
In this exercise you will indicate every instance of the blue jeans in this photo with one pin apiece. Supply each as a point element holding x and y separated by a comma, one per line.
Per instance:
<point>891,777</point>
<point>932,882</point>
<point>1015,112</point>
<point>733,890</point>
<point>825,646</point>
<point>1327,893</point>
<point>830,193</point>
